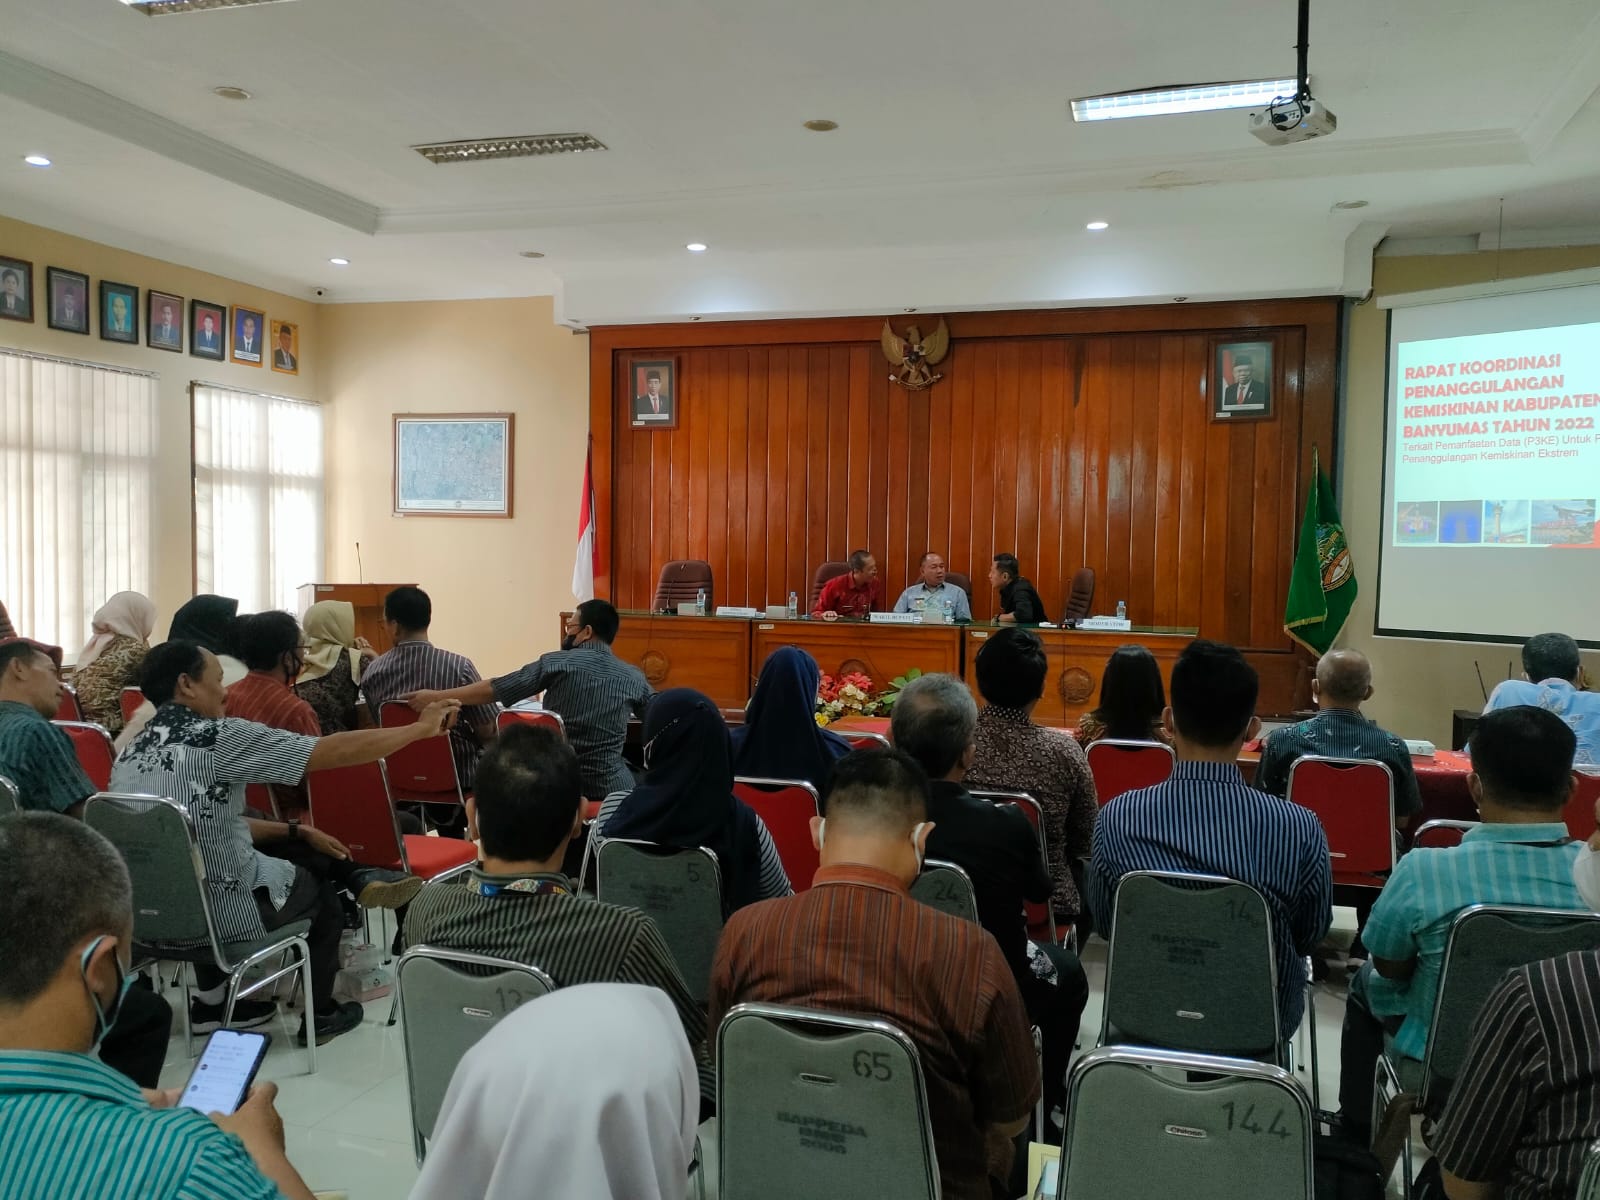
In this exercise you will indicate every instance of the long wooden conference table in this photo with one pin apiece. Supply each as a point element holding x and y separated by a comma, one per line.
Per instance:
<point>722,656</point>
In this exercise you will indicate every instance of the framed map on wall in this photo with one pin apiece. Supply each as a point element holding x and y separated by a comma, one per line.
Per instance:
<point>453,464</point>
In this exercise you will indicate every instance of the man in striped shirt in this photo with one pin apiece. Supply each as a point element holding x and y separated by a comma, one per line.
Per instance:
<point>1206,820</point>
<point>70,1126</point>
<point>517,904</point>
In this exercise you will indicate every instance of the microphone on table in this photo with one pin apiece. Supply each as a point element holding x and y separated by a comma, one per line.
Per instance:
<point>361,573</point>
<point>1481,687</point>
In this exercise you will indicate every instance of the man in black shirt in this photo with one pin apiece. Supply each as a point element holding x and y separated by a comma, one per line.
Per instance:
<point>1019,600</point>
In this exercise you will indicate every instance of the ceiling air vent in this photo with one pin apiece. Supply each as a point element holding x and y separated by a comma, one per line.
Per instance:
<point>531,145</point>
<point>158,8</point>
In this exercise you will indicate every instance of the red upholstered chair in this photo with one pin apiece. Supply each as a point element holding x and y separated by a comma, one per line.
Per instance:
<point>524,716</point>
<point>131,699</point>
<point>92,744</point>
<point>69,709</point>
<point>827,571</point>
<point>786,807</point>
<point>964,582</point>
<point>353,805</point>
<point>1579,813</point>
<point>864,741</point>
<point>1353,798</point>
<point>1122,766</point>
<point>1437,835</point>
<point>1080,599</point>
<point>680,583</point>
<point>1041,917</point>
<point>423,772</point>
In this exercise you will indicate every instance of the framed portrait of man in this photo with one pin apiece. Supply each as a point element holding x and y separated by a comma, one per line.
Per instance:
<point>16,289</point>
<point>119,312</point>
<point>286,348</point>
<point>1243,382</point>
<point>208,330</point>
<point>164,321</point>
<point>69,300</point>
<point>249,336</point>
<point>652,393</point>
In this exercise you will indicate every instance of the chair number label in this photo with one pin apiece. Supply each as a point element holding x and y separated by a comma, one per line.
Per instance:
<point>1249,1124</point>
<point>945,892</point>
<point>873,1066</point>
<point>692,869</point>
<point>1246,913</point>
<point>510,998</point>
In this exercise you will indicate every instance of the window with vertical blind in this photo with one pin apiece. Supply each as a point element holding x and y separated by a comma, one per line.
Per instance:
<point>258,496</point>
<point>77,457</point>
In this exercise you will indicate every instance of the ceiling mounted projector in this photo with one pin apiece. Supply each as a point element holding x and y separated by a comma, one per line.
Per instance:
<point>1296,120</point>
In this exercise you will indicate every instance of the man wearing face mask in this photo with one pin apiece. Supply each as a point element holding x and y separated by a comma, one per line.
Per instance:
<point>857,942</point>
<point>70,1126</point>
<point>593,690</point>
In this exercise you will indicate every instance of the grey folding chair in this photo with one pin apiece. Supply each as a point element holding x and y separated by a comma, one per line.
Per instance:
<point>172,916</point>
<point>1158,1123</point>
<point>1041,916</point>
<point>679,888</point>
<point>1191,967</point>
<point>10,798</point>
<point>947,887</point>
<point>813,1103</point>
<point>1589,1181</point>
<point>454,877</point>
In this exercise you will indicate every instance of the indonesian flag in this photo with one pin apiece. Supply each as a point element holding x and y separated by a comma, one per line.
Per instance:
<point>587,563</point>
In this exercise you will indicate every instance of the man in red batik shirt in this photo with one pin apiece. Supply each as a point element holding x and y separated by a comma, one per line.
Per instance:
<point>853,594</point>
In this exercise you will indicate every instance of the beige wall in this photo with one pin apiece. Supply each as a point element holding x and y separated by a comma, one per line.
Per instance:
<point>1418,682</point>
<point>174,566</point>
<point>497,585</point>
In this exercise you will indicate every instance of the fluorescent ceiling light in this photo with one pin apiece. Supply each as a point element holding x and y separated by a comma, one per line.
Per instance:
<point>532,145</point>
<point>36,160</point>
<point>156,8</point>
<point>1183,98</point>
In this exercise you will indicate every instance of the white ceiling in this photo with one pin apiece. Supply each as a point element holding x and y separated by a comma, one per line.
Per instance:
<point>956,180</point>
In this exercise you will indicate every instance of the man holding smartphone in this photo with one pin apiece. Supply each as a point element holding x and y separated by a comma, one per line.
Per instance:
<point>70,1125</point>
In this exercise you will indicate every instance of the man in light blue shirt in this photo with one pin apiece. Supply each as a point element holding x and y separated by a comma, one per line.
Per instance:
<point>1551,669</point>
<point>1520,855</point>
<point>933,594</point>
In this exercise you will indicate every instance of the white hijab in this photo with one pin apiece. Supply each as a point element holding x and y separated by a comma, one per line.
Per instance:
<point>127,614</point>
<point>535,1109</point>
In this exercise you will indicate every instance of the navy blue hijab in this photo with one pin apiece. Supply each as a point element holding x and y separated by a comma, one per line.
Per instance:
<point>780,738</point>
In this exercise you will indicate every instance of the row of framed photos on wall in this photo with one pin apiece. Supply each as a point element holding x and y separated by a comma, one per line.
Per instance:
<point>241,335</point>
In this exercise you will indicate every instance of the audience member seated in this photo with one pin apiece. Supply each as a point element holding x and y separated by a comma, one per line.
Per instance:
<point>858,943</point>
<point>534,1110</point>
<point>595,692</point>
<point>1015,755</point>
<point>686,799</point>
<point>7,629</point>
<point>854,594</point>
<point>935,722</point>
<point>1519,855</point>
<point>1342,685</point>
<point>1552,677</point>
<point>111,659</point>
<point>1132,700</point>
<point>330,667</point>
<point>34,754</point>
<point>780,738</point>
<point>270,646</point>
<point>1206,820</point>
<point>517,904</point>
<point>195,754</point>
<point>932,594</point>
<point>1523,1110</point>
<point>209,622</point>
<point>1019,600</point>
<point>416,664</point>
<point>70,1126</point>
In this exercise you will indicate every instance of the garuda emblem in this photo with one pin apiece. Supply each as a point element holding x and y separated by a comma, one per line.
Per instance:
<point>913,357</point>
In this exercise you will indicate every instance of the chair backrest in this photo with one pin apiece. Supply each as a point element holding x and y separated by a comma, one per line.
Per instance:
<point>947,887</point>
<point>1040,915</point>
<point>130,701</point>
<point>96,753</point>
<point>1122,766</point>
<point>1579,813</point>
<point>1191,966</point>
<point>10,798</point>
<point>811,1103</point>
<point>680,583</point>
<point>1353,799</point>
<point>449,999</point>
<point>1152,1123</point>
<point>827,571</point>
<point>964,582</point>
<point>861,740</point>
<point>1440,834</point>
<point>527,716</point>
<point>424,771</point>
<point>1485,942</point>
<point>1080,597</point>
<point>69,709</point>
<point>352,805</point>
<point>679,888</point>
<point>786,807</point>
<point>1589,1180</point>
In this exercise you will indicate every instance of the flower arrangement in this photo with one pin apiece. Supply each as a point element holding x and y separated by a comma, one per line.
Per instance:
<point>851,695</point>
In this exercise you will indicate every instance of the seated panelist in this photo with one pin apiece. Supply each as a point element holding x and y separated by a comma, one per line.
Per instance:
<point>932,594</point>
<point>854,594</point>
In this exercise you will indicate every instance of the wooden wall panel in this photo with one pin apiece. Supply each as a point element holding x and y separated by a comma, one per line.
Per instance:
<point>1070,437</point>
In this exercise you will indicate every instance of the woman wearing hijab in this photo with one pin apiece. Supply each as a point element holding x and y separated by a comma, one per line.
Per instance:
<point>780,738</point>
<point>534,1111</point>
<point>686,799</point>
<point>110,660</point>
<point>334,659</point>
<point>209,621</point>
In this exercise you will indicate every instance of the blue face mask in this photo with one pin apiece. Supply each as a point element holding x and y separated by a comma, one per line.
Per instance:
<point>103,1019</point>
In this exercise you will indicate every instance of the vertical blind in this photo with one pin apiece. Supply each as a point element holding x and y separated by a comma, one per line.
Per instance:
<point>77,457</point>
<point>258,496</point>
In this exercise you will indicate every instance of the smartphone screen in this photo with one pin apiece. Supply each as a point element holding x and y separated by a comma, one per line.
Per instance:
<point>223,1075</point>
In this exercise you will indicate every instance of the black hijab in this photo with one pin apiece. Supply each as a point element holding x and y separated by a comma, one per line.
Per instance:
<point>780,738</point>
<point>206,620</point>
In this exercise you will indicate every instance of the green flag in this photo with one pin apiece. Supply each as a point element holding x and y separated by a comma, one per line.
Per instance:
<point>1322,583</point>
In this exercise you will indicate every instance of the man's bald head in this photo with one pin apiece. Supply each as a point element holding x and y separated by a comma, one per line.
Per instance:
<point>1344,678</point>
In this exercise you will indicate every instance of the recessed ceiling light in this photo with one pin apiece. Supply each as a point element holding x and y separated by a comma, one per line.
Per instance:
<point>1182,98</point>
<point>696,247</point>
<point>531,253</point>
<point>1180,299</point>
<point>694,318</point>
<point>229,92</point>
<point>1351,204</point>
<point>1097,226</point>
<point>909,310</point>
<point>340,262</point>
<point>36,160</point>
<point>822,125</point>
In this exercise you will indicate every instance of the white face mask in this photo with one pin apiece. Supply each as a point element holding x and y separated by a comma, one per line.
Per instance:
<point>1586,874</point>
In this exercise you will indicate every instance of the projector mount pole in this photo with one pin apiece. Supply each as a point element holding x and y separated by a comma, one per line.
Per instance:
<point>1301,49</point>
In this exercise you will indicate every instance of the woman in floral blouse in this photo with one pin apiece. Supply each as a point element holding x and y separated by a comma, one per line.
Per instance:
<point>334,658</point>
<point>1132,700</point>
<point>111,659</point>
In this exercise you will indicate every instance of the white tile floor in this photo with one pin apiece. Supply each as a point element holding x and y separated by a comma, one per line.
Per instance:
<point>349,1127</point>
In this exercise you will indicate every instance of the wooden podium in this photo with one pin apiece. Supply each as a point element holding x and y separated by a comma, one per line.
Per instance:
<point>367,599</point>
